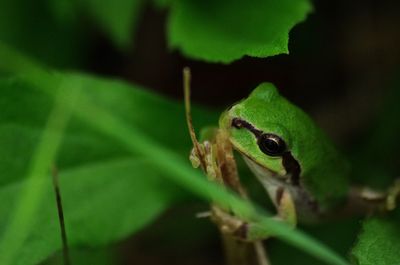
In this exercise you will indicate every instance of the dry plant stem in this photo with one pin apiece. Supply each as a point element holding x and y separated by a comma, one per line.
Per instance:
<point>56,186</point>
<point>196,145</point>
<point>216,159</point>
<point>262,256</point>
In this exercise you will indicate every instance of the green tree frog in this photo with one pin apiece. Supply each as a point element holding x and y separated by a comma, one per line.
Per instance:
<point>287,151</point>
<point>306,177</point>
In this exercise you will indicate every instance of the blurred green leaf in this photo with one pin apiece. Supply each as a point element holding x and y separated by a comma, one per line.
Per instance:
<point>118,18</point>
<point>56,31</point>
<point>223,31</point>
<point>83,256</point>
<point>103,202</point>
<point>379,243</point>
<point>20,128</point>
<point>32,27</point>
<point>23,211</point>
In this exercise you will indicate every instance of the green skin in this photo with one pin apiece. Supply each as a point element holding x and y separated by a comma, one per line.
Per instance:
<point>311,169</point>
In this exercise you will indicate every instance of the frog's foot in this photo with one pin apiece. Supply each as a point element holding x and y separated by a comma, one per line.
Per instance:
<point>286,212</point>
<point>203,156</point>
<point>239,229</point>
<point>392,196</point>
<point>253,231</point>
<point>228,223</point>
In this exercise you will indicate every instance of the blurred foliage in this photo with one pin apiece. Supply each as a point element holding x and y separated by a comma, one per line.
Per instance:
<point>98,171</point>
<point>118,18</point>
<point>378,243</point>
<point>215,31</point>
<point>111,188</point>
<point>36,28</point>
<point>102,204</point>
<point>22,127</point>
<point>84,256</point>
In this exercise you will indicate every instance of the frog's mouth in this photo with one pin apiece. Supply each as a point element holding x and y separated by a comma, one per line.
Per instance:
<point>291,166</point>
<point>263,172</point>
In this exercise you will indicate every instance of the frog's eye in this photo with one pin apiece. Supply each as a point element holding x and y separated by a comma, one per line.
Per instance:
<point>271,144</point>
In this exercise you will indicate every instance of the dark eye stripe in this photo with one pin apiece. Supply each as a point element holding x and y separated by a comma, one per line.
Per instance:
<point>266,141</point>
<point>239,123</point>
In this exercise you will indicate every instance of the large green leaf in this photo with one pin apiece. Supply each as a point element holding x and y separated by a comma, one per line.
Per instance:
<point>83,256</point>
<point>103,202</point>
<point>21,127</point>
<point>226,30</point>
<point>100,191</point>
<point>32,27</point>
<point>55,30</point>
<point>378,244</point>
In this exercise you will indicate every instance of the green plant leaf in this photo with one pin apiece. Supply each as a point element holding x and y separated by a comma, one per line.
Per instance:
<point>31,26</point>
<point>55,30</point>
<point>26,205</point>
<point>379,243</point>
<point>22,128</point>
<point>118,18</point>
<point>103,202</point>
<point>83,256</point>
<point>223,31</point>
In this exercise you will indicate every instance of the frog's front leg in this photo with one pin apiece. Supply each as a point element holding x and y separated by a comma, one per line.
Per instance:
<point>363,201</point>
<point>251,230</point>
<point>286,206</point>
<point>393,195</point>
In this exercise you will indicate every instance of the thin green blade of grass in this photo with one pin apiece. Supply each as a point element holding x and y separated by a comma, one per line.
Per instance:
<point>178,170</point>
<point>19,226</point>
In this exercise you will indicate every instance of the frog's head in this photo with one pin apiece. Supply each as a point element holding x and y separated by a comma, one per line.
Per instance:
<point>262,128</point>
<point>279,140</point>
